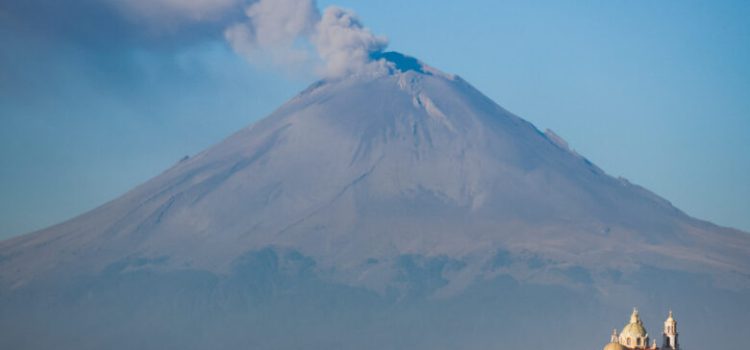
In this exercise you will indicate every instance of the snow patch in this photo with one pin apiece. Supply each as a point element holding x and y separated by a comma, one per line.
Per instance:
<point>433,111</point>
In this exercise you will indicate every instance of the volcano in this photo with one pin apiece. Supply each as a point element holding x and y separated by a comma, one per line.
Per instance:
<point>402,211</point>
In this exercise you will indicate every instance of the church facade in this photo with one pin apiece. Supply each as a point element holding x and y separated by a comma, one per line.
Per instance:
<point>635,337</point>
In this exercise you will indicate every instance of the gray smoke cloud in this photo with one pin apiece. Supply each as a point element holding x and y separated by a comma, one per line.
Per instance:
<point>290,34</point>
<point>182,10</point>
<point>272,31</point>
<point>293,33</point>
<point>346,46</point>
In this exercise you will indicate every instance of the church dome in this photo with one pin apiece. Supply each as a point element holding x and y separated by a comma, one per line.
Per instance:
<point>613,346</point>
<point>634,330</point>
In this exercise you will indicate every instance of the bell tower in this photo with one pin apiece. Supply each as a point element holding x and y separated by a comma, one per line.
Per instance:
<point>670,334</point>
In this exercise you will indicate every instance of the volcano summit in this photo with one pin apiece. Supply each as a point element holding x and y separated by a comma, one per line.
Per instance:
<point>403,210</point>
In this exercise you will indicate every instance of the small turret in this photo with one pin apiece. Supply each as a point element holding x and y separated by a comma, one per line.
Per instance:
<point>613,342</point>
<point>670,334</point>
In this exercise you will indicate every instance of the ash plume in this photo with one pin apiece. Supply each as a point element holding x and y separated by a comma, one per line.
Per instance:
<point>293,33</point>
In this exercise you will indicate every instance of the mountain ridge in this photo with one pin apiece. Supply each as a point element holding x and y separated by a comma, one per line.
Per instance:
<point>406,187</point>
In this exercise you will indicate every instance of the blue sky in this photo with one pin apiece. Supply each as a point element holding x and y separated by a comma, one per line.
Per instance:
<point>94,100</point>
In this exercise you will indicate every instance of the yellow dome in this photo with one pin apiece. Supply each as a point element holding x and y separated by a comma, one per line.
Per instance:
<point>635,328</point>
<point>613,346</point>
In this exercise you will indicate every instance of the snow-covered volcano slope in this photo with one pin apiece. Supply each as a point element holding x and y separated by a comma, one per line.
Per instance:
<point>358,174</point>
